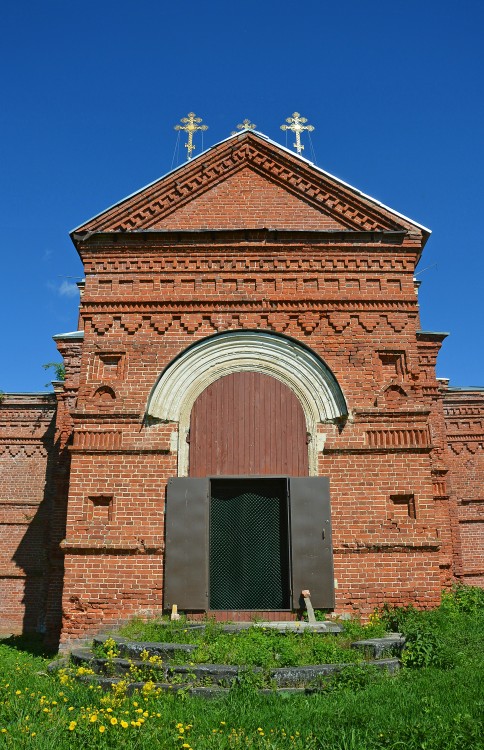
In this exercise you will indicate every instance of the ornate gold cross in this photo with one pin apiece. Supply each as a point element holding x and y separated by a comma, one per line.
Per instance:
<point>245,125</point>
<point>190,126</point>
<point>296,124</point>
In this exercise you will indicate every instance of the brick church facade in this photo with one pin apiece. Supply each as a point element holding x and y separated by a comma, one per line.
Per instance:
<point>250,409</point>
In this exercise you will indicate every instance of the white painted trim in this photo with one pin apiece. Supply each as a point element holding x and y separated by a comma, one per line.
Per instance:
<point>208,360</point>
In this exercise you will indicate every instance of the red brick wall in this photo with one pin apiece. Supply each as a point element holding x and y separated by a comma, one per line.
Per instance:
<point>246,200</point>
<point>146,300</point>
<point>464,416</point>
<point>26,443</point>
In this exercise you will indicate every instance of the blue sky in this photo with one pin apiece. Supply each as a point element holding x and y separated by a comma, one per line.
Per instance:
<point>91,92</point>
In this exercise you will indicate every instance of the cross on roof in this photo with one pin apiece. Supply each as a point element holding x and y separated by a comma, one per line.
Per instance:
<point>296,124</point>
<point>190,127</point>
<point>244,125</point>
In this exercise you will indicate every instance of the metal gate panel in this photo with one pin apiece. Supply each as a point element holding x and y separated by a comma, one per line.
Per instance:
<point>186,548</point>
<point>311,544</point>
<point>249,565</point>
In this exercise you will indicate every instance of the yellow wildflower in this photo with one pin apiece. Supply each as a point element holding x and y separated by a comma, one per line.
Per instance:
<point>72,725</point>
<point>18,692</point>
<point>114,720</point>
<point>124,724</point>
<point>102,728</point>
<point>93,718</point>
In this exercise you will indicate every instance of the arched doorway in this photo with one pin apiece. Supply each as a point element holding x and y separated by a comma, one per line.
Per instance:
<point>244,427</point>
<point>248,423</point>
<point>248,522</point>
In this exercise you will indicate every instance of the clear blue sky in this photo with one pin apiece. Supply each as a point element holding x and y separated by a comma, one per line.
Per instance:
<point>91,92</point>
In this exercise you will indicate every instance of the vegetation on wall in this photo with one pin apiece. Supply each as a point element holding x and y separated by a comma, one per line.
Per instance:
<point>59,370</point>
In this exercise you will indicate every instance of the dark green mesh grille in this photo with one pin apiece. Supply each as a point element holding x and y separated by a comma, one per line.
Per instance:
<point>248,545</point>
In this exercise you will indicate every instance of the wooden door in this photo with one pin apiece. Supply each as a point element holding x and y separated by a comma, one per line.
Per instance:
<point>248,424</point>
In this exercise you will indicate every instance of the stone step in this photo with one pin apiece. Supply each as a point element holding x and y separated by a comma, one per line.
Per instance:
<point>301,627</point>
<point>218,674</point>
<point>304,676</point>
<point>133,649</point>
<point>389,644</point>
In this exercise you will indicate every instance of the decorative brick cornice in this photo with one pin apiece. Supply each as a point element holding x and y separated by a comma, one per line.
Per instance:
<point>416,437</point>
<point>397,307</point>
<point>108,548</point>
<point>377,414</point>
<point>121,451</point>
<point>128,257</point>
<point>405,547</point>
<point>307,317</point>
<point>22,447</point>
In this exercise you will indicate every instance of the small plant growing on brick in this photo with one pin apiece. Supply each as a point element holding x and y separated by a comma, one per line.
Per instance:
<point>59,370</point>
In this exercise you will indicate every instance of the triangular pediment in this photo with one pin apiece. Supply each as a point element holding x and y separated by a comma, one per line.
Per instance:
<point>246,182</point>
<point>247,200</point>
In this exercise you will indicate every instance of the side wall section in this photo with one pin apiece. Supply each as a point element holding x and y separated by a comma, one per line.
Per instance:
<point>464,416</point>
<point>26,448</point>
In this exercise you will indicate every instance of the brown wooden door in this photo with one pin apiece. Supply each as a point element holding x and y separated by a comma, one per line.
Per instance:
<point>248,424</point>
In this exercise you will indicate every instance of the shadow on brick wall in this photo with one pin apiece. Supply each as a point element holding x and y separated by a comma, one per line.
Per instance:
<point>39,554</point>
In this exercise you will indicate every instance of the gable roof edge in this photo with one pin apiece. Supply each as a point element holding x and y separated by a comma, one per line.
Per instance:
<point>266,138</point>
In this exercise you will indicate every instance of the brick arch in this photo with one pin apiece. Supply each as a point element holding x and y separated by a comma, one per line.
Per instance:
<point>285,359</point>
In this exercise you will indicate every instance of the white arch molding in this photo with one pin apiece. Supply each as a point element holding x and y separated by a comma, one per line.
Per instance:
<point>212,358</point>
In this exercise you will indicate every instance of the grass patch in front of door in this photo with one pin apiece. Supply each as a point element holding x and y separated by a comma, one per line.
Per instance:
<point>256,646</point>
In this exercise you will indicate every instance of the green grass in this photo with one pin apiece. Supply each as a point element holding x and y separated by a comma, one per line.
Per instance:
<point>436,707</point>
<point>256,646</point>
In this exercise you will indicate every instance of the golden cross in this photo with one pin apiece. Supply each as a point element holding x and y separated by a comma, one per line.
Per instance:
<point>296,124</point>
<point>245,125</point>
<point>190,126</point>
